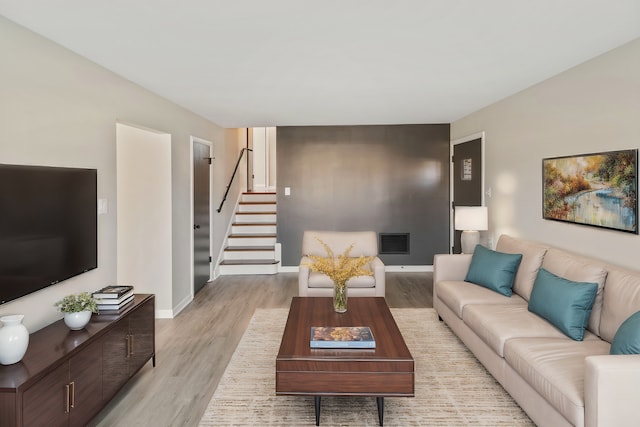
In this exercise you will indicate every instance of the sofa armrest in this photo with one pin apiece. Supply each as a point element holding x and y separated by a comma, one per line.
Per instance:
<point>611,390</point>
<point>303,277</point>
<point>379,276</point>
<point>450,267</point>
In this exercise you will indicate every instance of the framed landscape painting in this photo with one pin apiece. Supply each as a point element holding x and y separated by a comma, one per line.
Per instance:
<point>592,189</point>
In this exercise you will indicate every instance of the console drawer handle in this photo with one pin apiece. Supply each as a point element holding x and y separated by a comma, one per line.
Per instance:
<point>66,402</point>
<point>72,393</point>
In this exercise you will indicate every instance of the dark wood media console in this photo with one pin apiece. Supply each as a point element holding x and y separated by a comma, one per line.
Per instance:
<point>66,377</point>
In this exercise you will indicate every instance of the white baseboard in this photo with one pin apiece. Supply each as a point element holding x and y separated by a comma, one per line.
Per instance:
<point>164,314</point>
<point>182,304</point>
<point>170,314</point>
<point>408,268</point>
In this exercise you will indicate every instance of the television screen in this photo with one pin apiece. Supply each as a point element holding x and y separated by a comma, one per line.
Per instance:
<point>48,227</point>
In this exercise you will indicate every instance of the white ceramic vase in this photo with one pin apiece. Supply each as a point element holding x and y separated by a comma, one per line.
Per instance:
<point>14,339</point>
<point>78,320</point>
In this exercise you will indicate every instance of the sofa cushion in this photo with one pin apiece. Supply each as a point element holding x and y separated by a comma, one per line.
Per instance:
<point>496,324</point>
<point>493,270</point>
<point>579,269</point>
<point>621,300</point>
<point>458,294</point>
<point>532,256</point>
<point>555,368</point>
<point>320,280</point>
<point>627,339</point>
<point>564,303</point>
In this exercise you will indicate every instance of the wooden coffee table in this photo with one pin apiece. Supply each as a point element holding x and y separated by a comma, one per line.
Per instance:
<point>386,371</point>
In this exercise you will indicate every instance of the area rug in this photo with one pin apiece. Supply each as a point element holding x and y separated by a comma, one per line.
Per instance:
<point>451,387</point>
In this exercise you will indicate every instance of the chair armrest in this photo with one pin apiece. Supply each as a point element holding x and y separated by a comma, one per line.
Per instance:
<point>611,390</point>
<point>303,277</point>
<point>379,275</point>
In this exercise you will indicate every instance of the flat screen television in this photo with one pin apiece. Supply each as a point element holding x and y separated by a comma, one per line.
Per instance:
<point>48,227</point>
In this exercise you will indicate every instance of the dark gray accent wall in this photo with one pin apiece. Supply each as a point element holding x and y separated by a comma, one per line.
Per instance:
<point>385,178</point>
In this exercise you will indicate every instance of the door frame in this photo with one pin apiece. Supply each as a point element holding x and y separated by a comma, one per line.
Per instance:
<point>454,142</point>
<point>264,157</point>
<point>192,140</point>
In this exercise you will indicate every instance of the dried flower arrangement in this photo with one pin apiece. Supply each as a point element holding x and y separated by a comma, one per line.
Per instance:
<point>340,269</point>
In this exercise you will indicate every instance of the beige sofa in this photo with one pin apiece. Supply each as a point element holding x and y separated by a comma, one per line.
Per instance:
<point>556,380</point>
<point>365,243</point>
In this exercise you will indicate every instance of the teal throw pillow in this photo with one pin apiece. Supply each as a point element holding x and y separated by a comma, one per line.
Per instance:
<point>627,338</point>
<point>564,303</point>
<point>493,270</point>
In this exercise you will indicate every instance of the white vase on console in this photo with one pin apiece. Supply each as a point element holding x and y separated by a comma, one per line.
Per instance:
<point>77,320</point>
<point>14,339</point>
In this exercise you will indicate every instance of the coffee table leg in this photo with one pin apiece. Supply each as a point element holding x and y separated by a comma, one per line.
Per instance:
<point>380,402</point>
<point>317,404</point>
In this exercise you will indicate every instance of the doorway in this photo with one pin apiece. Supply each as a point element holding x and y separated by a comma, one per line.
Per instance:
<point>201,175</point>
<point>263,167</point>
<point>467,178</point>
<point>143,213</point>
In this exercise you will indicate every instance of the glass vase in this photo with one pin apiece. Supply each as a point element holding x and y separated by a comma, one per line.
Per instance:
<point>340,297</point>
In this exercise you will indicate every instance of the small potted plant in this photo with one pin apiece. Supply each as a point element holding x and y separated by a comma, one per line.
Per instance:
<point>77,309</point>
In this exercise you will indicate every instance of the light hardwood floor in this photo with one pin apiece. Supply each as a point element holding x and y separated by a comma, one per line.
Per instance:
<point>194,348</point>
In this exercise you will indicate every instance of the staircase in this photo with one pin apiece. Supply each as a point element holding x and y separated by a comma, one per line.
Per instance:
<point>251,245</point>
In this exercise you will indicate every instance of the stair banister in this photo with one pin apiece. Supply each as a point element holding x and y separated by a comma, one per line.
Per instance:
<point>226,193</point>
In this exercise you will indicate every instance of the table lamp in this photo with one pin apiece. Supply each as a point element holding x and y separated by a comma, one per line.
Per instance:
<point>471,220</point>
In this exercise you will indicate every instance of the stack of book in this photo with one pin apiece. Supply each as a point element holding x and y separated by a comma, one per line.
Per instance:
<point>113,299</point>
<point>342,337</point>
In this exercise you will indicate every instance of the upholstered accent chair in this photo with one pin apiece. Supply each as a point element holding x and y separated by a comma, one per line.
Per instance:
<point>365,243</point>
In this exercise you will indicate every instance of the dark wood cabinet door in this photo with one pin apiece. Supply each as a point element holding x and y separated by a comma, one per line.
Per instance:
<point>141,329</point>
<point>66,377</point>
<point>85,372</point>
<point>115,363</point>
<point>45,403</point>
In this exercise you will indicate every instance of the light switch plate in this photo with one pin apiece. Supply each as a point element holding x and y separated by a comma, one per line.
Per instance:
<point>103,206</point>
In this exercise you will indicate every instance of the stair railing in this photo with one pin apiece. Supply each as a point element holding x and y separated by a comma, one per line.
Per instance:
<point>226,193</point>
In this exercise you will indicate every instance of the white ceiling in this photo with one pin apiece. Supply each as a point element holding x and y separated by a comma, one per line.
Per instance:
<point>244,63</point>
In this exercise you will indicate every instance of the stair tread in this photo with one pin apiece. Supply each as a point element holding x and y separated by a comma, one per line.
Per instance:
<point>242,224</point>
<point>260,259</point>
<point>258,203</point>
<point>255,213</point>
<point>249,262</point>
<point>250,248</point>
<point>251,235</point>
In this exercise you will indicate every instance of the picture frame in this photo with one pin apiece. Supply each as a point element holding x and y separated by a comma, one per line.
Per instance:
<point>597,189</point>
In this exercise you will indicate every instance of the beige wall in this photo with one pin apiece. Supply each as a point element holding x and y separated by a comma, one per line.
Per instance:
<point>590,108</point>
<point>143,176</point>
<point>59,109</point>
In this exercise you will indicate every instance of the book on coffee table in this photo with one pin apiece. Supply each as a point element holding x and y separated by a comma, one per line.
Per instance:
<point>342,337</point>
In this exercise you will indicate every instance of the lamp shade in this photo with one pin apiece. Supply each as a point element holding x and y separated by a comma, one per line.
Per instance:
<point>473,218</point>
